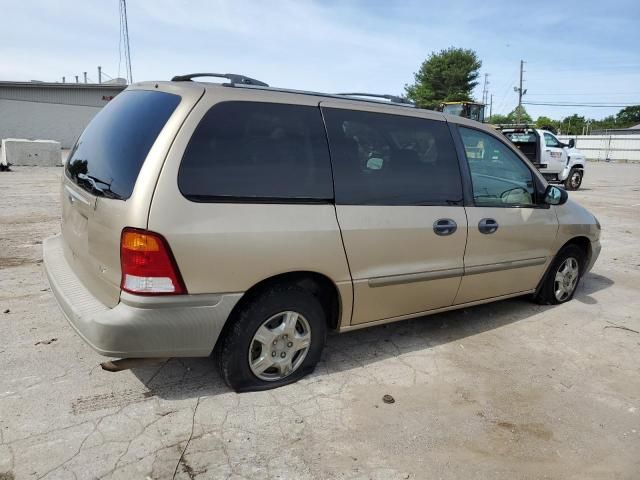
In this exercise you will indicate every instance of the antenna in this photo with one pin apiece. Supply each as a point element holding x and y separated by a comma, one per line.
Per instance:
<point>124,36</point>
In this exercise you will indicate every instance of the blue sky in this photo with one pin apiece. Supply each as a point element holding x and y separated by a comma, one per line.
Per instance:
<point>576,51</point>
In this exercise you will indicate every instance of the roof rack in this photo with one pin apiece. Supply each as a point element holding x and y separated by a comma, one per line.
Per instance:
<point>235,78</point>
<point>391,98</point>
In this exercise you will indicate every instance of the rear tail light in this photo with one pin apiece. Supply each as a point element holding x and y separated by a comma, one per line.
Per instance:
<point>148,267</point>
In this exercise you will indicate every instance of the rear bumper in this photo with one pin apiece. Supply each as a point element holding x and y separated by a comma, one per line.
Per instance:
<point>139,326</point>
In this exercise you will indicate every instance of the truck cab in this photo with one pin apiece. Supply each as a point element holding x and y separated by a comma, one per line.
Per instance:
<point>470,110</point>
<point>557,161</point>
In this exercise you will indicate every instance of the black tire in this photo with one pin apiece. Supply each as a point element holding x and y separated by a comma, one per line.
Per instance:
<point>547,292</point>
<point>233,354</point>
<point>574,180</point>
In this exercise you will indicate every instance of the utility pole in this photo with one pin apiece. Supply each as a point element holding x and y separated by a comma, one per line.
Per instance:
<point>85,77</point>
<point>521,92</point>
<point>491,107</point>
<point>99,74</point>
<point>485,93</point>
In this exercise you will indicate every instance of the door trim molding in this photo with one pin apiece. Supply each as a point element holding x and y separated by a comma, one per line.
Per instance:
<point>415,277</point>
<point>386,281</point>
<point>496,267</point>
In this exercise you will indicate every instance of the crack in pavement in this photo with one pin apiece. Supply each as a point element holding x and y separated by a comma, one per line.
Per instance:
<point>193,423</point>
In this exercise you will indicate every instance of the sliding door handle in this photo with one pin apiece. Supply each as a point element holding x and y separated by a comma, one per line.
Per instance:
<point>487,225</point>
<point>444,226</point>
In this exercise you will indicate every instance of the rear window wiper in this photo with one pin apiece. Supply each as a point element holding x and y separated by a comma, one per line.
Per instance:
<point>94,181</point>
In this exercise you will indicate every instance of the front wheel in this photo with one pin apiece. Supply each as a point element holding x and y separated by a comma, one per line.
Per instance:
<point>561,281</point>
<point>276,339</point>
<point>574,180</point>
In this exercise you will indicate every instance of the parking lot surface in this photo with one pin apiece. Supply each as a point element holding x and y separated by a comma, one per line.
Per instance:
<point>505,390</point>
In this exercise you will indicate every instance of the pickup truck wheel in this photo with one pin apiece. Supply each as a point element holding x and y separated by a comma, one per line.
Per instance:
<point>561,280</point>
<point>276,339</point>
<point>574,180</point>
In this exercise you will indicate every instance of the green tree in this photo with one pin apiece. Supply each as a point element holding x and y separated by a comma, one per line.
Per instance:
<point>572,125</point>
<point>446,76</point>
<point>497,119</point>
<point>546,123</point>
<point>519,115</point>
<point>628,116</point>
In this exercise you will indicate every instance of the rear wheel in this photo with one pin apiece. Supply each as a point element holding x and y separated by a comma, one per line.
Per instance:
<point>276,339</point>
<point>561,281</point>
<point>574,180</point>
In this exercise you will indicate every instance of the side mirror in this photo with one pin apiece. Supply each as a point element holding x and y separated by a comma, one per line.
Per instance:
<point>572,143</point>
<point>555,195</point>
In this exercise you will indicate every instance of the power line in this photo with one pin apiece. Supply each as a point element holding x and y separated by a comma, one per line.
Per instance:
<point>503,101</point>
<point>571,94</point>
<point>594,105</point>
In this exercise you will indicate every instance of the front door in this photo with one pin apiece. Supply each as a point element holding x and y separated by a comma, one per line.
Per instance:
<point>511,235</point>
<point>553,153</point>
<point>398,198</point>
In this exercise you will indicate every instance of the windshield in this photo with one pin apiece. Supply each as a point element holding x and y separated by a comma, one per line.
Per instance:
<point>455,109</point>
<point>109,154</point>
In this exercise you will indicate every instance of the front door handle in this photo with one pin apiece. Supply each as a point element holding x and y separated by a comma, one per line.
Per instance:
<point>487,225</point>
<point>444,226</point>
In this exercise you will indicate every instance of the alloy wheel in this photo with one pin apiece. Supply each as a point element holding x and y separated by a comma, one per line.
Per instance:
<point>279,346</point>
<point>566,279</point>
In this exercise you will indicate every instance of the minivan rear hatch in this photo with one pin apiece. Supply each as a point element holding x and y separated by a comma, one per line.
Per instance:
<point>110,176</point>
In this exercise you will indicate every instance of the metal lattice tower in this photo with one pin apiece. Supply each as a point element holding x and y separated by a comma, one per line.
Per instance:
<point>124,37</point>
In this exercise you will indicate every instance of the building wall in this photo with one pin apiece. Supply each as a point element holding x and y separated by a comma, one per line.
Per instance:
<point>57,112</point>
<point>44,121</point>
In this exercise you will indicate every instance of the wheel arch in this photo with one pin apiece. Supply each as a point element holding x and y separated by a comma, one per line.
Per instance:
<point>580,241</point>
<point>316,283</point>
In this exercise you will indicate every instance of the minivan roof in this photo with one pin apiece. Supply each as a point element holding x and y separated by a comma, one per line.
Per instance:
<point>347,99</point>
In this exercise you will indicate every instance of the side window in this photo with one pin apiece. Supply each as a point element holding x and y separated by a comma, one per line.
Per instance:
<point>551,141</point>
<point>257,150</point>
<point>383,159</point>
<point>498,176</point>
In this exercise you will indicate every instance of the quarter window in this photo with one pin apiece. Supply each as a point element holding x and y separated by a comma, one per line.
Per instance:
<point>260,151</point>
<point>498,176</point>
<point>383,159</point>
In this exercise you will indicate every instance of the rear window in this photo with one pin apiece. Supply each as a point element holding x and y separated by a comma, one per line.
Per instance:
<point>257,151</point>
<point>108,155</point>
<point>521,137</point>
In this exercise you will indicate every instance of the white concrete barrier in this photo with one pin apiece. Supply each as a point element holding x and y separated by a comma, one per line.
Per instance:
<point>38,153</point>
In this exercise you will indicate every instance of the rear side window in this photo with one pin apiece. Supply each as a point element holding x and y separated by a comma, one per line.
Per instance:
<point>382,159</point>
<point>110,152</point>
<point>257,151</point>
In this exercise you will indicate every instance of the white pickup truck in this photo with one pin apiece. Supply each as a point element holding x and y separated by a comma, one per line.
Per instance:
<point>558,162</point>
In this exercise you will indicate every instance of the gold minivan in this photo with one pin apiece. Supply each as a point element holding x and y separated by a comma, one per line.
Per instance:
<point>250,221</point>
